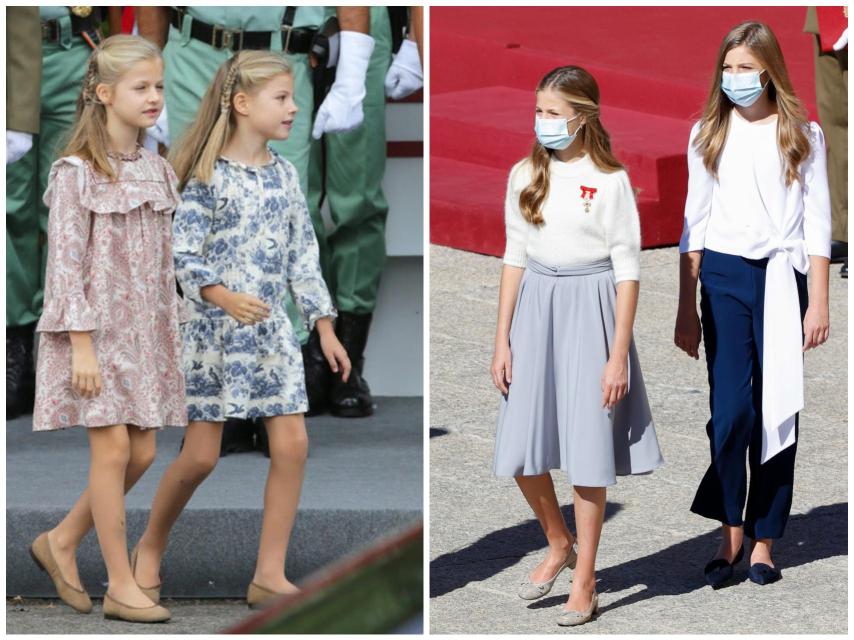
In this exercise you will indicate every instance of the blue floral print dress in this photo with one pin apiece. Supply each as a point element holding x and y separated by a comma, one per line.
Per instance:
<point>249,230</point>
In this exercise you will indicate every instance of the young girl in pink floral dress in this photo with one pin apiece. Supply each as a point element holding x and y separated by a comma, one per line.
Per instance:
<point>109,355</point>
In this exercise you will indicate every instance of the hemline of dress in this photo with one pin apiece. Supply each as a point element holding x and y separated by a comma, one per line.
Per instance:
<point>106,424</point>
<point>250,415</point>
<point>644,472</point>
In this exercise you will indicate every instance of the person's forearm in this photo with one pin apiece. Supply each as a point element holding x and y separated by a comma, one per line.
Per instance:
<point>689,273</point>
<point>416,18</point>
<point>324,326</point>
<point>80,339</point>
<point>627,304</point>
<point>354,19</point>
<point>214,293</point>
<point>152,23</point>
<point>819,270</point>
<point>509,288</point>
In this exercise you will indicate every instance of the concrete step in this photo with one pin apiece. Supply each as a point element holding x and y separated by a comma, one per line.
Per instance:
<point>363,482</point>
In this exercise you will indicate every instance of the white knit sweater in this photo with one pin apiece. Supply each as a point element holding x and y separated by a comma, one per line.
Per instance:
<point>580,225</point>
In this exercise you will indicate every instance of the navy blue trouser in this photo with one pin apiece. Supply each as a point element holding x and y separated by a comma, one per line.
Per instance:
<point>732,298</point>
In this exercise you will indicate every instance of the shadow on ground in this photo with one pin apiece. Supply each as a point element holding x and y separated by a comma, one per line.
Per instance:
<point>678,569</point>
<point>495,552</point>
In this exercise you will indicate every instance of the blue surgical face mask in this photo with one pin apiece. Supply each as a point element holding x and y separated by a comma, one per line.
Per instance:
<point>742,89</point>
<point>552,132</point>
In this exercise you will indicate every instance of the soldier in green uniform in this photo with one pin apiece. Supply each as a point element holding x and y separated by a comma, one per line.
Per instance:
<point>347,170</point>
<point>58,41</point>
<point>831,89</point>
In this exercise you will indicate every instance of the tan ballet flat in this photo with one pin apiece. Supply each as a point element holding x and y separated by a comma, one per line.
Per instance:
<point>115,610</point>
<point>257,597</point>
<point>152,593</point>
<point>75,598</point>
<point>575,618</point>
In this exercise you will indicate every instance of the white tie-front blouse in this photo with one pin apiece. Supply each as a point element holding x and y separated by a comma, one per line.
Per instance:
<point>749,211</point>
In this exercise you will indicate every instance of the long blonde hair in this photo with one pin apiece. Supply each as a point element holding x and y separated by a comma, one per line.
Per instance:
<point>578,88</point>
<point>88,137</point>
<point>792,122</point>
<point>195,154</point>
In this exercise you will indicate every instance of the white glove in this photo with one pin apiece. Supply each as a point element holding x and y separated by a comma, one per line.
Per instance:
<point>404,76</point>
<point>341,110</point>
<point>842,42</point>
<point>17,144</point>
<point>160,129</point>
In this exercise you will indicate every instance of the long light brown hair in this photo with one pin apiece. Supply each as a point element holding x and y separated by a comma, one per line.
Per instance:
<point>792,123</point>
<point>195,154</point>
<point>88,138</point>
<point>579,89</point>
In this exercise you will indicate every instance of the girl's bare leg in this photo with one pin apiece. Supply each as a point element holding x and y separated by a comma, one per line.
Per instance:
<point>539,491</point>
<point>68,534</point>
<point>288,450</point>
<point>110,457</point>
<point>589,505</point>
<point>197,459</point>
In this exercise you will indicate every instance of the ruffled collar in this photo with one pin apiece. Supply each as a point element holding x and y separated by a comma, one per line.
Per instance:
<point>134,155</point>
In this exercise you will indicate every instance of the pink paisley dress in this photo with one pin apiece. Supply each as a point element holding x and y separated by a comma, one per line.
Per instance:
<point>110,271</point>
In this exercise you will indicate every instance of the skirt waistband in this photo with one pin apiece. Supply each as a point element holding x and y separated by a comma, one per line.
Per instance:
<point>599,266</point>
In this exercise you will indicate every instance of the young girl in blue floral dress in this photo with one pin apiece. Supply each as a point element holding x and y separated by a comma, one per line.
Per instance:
<point>242,238</point>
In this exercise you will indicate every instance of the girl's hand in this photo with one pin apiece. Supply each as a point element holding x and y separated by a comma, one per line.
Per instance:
<point>688,330</point>
<point>816,326</point>
<point>244,307</point>
<point>502,373</point>
<point>85,372</point>
<point>615,380</point>
<point>336,354</point>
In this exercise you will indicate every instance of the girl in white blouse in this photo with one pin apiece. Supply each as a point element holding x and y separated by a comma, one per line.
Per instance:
<point>757,218</point>
<point>573,396</point>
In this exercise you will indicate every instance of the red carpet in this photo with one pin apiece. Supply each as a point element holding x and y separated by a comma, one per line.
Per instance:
<point>653,66</point>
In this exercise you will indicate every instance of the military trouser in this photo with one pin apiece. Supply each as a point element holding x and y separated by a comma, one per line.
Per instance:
<point>831,88</point>
<point>353,253</point>
<point>63,67</point>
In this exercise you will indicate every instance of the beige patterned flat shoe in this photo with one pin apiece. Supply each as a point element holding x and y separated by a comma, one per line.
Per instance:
<point>531,590</point>
<point>573,618</point>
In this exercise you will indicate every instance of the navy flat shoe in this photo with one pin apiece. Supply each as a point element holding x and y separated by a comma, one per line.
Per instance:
<point>718,572</point>
<point>761,573</point>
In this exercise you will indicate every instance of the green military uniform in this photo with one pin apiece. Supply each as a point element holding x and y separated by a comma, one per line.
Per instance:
<point>831,88</point>
<point>63,67</point>
<point>353,255</point>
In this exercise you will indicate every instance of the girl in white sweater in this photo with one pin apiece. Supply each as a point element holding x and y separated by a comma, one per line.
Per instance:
<point>573,396</point>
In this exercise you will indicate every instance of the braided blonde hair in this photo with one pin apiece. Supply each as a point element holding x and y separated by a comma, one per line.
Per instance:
<point>196,152</point>
<point>88,137</point>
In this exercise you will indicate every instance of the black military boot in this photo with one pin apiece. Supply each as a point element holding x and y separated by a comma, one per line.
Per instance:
<point>352,399</point>
<point>318,375</point>
<point>20,372</point>
<point>238,436</point>
<point>262,442</point>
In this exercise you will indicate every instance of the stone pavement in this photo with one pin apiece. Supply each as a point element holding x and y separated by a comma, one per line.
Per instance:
<point>484,538</point>
<point>363,483</point>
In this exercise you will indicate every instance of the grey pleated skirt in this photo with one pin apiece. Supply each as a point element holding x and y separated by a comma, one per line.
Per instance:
<point>552,417</point>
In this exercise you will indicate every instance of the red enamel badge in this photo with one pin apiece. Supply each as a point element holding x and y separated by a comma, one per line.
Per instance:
<point>587,194</point>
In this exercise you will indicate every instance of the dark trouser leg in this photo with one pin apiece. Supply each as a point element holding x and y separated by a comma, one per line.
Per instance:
<point>727,319</point>
<point>770,497</point>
